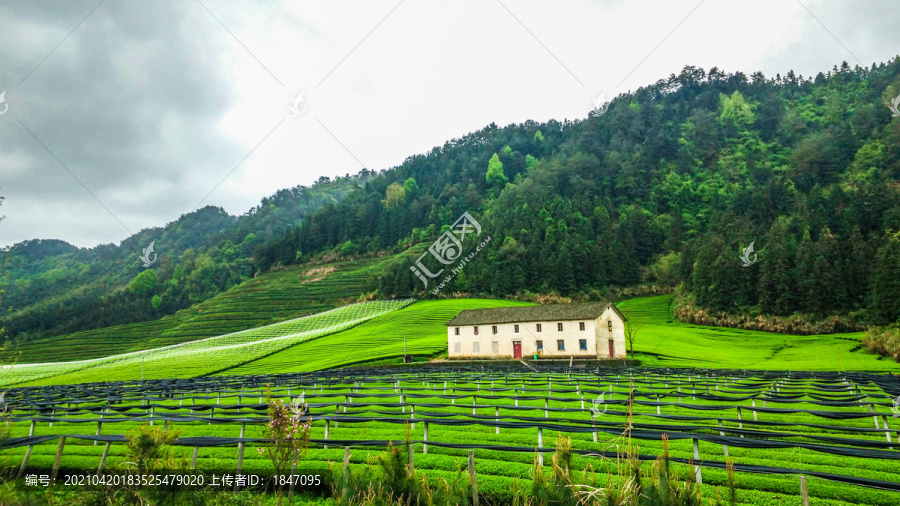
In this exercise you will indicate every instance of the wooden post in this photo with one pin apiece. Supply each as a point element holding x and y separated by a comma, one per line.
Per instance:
<point>658,411</point>
<point>99,425</point>
<point>473,478</point>
<point>540,445</point>
<point>240,458</point>
<point>345,475</point>
<point>327,430</point>
<point>103,457</point>
<point>425,445</point>
<point>887,430</point>
<point>722,433</point>
<point>874,416</point>
<point>293,472</point>
<point>753,401</point>
<point>58,459</point>
<point>594,425</point>
<point>27,453</point>
<point>804,492</point>
<point>740,424</point>
<point>697,471</point>
<point>546,405</point>
<point>194,457</point>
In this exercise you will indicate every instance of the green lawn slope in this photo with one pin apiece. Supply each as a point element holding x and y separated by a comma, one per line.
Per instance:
<point>270,298</point>
<point>662,342</point>
<point>380,338</point>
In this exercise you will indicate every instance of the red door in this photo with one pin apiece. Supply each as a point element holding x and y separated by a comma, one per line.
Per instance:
<point>612,350</point>
<point>517,350</point>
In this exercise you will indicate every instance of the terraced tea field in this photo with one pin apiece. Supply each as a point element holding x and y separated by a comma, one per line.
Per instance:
<point>204,356</point>
<point>422,324</point>
<point>663,342</point>
<point>270,298</point>
<point>835,428</point>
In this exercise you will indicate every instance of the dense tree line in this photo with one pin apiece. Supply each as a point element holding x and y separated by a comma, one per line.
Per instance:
<point>669,185</point>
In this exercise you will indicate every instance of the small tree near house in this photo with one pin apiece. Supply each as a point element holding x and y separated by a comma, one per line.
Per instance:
<point>632,328</point>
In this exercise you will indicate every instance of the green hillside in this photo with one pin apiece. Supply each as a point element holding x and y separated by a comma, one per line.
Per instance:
<point>204,356</point>
<point>269,298</point>
<point>663,342</point>
<point>380,338</point>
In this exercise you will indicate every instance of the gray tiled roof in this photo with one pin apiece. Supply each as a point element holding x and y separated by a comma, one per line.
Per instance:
<point>539,313</point>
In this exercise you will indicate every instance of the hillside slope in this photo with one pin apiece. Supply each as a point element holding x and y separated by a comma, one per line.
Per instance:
<point>422,326</point>
<point>269,298</point>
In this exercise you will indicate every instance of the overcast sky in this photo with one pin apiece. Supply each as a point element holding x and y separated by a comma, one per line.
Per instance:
<point>124,115</point>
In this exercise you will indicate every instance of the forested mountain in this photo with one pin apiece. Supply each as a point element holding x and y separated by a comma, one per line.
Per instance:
<point>54,287</point>
<point>665,186</point>
<point>668,185</point>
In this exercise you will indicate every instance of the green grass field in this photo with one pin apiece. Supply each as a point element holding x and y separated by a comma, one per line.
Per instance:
<point>272,297</point>
<point>662,342</point>
<point>380,338</point>
<point>204,356</point>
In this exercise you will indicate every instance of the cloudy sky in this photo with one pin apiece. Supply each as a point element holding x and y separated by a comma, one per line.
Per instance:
<point>122,115</point>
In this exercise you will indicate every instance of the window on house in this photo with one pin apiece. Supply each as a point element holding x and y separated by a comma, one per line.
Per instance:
<point>476,347</point>
<point>580,325</point>
<point>457,330</point>
<point>516,329</point>
<point>476,331</point>
<point>609,324</point>
<point>582,344</point>
<point>457,347</point>
<point>539,345</point>
<point>494,329</point>
<point>559,327</point>
<point>495,346</point>
<point>538,327</point>
<point>560,345</point>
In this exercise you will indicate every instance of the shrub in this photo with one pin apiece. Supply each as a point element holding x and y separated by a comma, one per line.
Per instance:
<point>884,341</point>
<point>391,480</point>
<point>288,436</point>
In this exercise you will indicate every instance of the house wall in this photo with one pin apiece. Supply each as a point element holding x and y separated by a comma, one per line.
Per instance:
<point>596,333</point>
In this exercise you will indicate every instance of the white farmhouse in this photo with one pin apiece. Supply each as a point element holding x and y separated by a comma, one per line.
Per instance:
<point>593,329</point>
